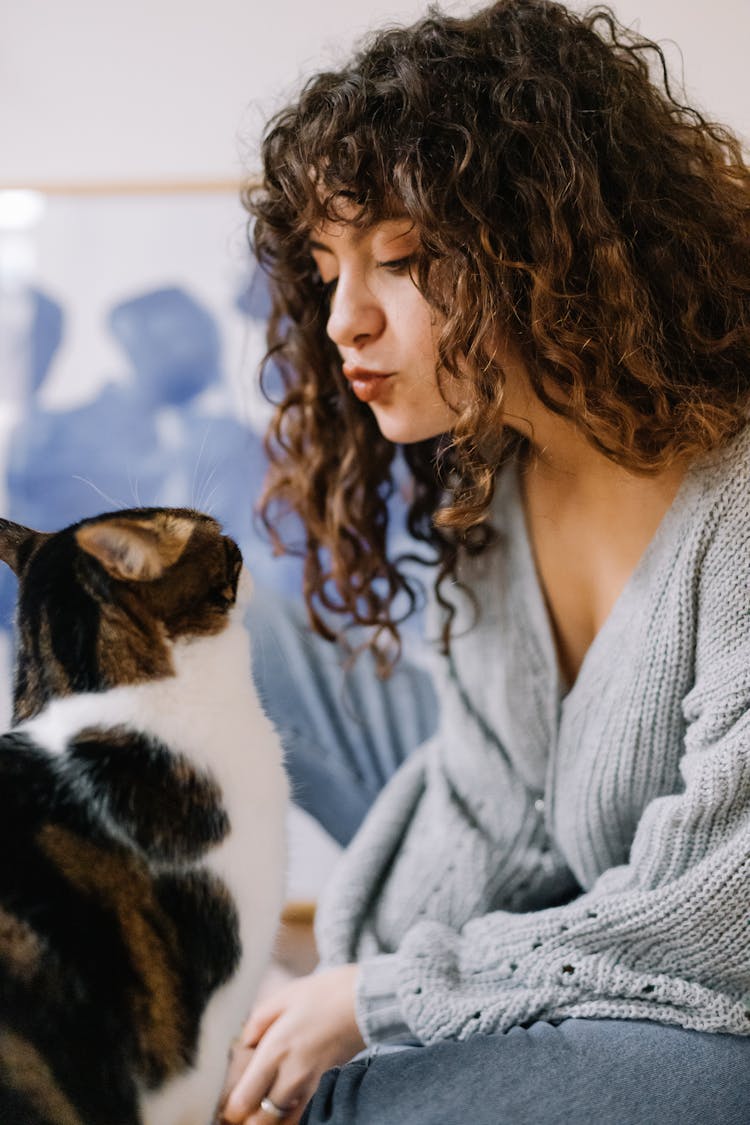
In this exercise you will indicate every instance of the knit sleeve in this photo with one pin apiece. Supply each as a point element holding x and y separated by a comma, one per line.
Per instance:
<point>457,832</point>
<point>665,936</point>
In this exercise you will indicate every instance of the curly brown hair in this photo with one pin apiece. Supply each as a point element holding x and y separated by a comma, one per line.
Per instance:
<point>561,194</point>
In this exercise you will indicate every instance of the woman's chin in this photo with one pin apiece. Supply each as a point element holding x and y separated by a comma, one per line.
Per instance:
<point>406,429</point>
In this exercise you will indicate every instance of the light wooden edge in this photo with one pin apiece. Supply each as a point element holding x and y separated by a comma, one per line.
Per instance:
<point>298,913</point>
<point>134,187</point>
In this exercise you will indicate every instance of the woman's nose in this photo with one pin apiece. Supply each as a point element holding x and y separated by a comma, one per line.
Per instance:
<point>356,315</point>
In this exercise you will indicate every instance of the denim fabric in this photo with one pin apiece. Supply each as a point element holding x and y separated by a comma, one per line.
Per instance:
<point>581,1072</point>
<point>345,733</point>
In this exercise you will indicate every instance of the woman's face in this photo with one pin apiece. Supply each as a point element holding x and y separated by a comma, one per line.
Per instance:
<point>383,327</point>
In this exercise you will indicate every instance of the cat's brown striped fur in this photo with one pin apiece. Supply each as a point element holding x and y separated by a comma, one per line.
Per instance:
<point>136,791</point>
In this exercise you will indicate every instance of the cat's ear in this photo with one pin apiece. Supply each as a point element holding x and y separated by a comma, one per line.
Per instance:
<point>136,550</point>
<point>17,543</point>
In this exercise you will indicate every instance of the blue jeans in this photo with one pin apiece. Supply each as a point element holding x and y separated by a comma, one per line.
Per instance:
<point>345,732</point>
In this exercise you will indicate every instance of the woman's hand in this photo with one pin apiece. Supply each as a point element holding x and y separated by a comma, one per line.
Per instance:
<point>303,1029</point>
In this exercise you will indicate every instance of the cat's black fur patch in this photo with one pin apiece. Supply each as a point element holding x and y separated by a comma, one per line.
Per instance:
<point>70,1002</point>
<point>171,811</point>
<point>87,899</point>
<point>31,1094</point>
<point>205,917</point>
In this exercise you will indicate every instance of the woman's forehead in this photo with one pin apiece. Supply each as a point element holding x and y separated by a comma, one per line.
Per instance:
<point>348,227</point>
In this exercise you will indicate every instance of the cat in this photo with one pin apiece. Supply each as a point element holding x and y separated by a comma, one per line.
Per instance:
<point>142,803</point>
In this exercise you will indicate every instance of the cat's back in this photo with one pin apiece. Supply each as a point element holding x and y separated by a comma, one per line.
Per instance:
<point>66,971</point>
<point>142,823</point>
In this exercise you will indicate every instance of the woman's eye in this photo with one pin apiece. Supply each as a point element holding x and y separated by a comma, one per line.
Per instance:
<point>327,287</point>
<point>398,265</point>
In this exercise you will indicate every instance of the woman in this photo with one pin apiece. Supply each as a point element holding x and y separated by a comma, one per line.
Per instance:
<point>498,243</point>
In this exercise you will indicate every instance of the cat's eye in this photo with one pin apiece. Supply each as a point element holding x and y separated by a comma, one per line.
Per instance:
<point>225,597</point>
<point>232,565</point>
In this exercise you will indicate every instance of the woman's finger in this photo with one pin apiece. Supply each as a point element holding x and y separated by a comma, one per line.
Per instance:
<point>259,1021</point>
<point>267,1114</point>
<point>289,1095</point>
<point>292,1110</point>
<point>257,1079</point>
<point>295,1117</point>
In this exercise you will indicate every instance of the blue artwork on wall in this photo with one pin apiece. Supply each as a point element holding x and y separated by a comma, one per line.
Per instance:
<point>164,426</point>
<point>149,441</point>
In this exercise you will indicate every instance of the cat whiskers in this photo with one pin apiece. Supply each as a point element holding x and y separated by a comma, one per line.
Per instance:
<point>99,492</point>
<point>206,493</point>
<point>198,460</point>
<point>134,490</point>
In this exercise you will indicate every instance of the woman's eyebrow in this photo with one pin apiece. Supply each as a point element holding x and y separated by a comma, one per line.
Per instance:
<point>361,234</point>
<point>358,235</point>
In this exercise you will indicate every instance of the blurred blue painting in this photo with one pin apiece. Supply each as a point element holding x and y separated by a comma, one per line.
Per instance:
<point>168,435</point>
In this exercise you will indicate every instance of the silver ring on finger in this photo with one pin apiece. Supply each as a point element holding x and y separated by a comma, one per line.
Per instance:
<point>278,1111</point>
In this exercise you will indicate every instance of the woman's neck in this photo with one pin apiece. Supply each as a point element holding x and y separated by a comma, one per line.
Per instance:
<point>562,456</point>
<point>589,522</point>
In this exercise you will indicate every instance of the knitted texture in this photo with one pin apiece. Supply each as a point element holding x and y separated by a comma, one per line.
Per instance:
<point>546,856</point>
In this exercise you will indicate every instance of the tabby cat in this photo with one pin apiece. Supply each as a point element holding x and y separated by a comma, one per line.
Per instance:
<point>142,800</point>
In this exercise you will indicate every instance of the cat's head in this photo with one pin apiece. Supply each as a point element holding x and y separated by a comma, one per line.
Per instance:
<point>102,602</point>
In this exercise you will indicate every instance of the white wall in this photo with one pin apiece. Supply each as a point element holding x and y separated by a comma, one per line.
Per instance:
<point>162,90</point>
<point>155,89</point>
<point>706,43</point>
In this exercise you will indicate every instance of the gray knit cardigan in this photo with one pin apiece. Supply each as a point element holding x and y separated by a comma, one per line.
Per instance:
<point>586,854</point>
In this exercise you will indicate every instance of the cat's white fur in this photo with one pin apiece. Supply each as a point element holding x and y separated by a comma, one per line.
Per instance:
<point>210,713</point>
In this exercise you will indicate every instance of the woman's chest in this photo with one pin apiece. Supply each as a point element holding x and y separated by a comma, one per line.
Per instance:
<point>593,757</point>
<point>616,748</point>
<point>585,550</point>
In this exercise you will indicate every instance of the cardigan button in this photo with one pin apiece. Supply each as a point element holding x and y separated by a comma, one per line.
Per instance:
<point>539,805</point>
